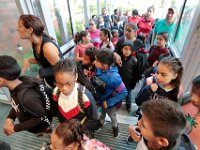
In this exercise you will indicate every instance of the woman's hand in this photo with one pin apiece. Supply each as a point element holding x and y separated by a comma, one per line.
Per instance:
<point>25,66</point>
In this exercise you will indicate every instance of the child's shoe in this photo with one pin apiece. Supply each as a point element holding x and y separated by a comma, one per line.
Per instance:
<point>115,132</point>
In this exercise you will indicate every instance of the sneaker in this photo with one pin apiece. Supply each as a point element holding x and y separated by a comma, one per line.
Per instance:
<point>128,108</point>
<point>129,140</point>
<point>115,132</point>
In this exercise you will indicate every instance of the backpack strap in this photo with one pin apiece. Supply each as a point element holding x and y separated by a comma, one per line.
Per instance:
<point>40,88</point>
<point>57,94</point>
<point>80,98</point>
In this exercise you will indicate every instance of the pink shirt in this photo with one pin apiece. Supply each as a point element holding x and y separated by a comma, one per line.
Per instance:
<point>95,37</point>
<point>81,49</point>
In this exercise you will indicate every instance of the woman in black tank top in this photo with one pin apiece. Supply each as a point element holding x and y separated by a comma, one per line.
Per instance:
<point>46,52</point>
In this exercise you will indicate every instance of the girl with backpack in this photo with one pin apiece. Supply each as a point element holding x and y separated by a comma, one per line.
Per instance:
<point>73,99</point>
<point>166,83</point>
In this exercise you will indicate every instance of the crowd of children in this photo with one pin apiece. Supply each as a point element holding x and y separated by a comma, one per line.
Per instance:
<point>104,71</point>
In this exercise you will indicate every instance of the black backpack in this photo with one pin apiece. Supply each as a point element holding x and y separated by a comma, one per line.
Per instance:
<point>43,90</point>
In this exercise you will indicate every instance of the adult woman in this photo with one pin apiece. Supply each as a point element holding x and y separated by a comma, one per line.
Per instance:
<point>94,33</point>
<point>46,52</point>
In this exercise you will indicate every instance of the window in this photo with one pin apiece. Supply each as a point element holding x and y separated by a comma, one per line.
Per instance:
<point>185,23</point>
<point>78,15</point>
<point>61,21</point>
<point>92,7</point>
<point>10,42</point>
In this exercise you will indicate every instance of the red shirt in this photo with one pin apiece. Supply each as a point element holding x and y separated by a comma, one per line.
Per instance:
<point>155,53</point>
<point>145,26</point>
<point>134,19</point>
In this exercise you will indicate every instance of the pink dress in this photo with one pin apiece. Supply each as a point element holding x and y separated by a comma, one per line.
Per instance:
<point>81,49</point>
<point>95,38</point>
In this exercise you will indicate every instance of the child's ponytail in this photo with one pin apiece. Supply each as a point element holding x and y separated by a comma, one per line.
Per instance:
<point>79,36</point>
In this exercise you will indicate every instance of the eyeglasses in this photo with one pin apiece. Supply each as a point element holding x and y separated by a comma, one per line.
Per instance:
<point>91,24</point>
<point>67,84</point>
<point>128,30</point>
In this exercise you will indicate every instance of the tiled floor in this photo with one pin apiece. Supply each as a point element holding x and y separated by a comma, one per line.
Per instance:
<point>27,141</point>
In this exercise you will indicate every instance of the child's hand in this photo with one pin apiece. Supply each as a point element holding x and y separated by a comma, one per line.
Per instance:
<point>8,127</point>
<point>155,63</point>
<point>105,104</point>
<point>154,87</point>
<point>118,59</point>
<point>136,136</point>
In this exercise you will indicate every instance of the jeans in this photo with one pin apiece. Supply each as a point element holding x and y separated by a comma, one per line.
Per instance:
<point>128,99</point>
<point>111,113</point>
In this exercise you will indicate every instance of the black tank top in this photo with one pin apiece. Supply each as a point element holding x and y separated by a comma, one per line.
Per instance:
<point>42,61</point>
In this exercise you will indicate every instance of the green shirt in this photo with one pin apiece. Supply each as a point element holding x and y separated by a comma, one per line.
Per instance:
<point>162,26</point>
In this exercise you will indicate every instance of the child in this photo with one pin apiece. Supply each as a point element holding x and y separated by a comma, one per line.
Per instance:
<point>73,100</point>
<point>156,50</point>
<point>27,108</point>
<point>110,88</point>
<point>105,38</point>
<point>165,83</point>
<point>135,18</point>
<point>82,41</point>
<point>128,70</point>
<point>73,136</point>
<point>192,111</point>
<point>88,62</point>
<point>161,127</point>
<point>152,69</point>
<point>115,36</point>
<point>100,22</point>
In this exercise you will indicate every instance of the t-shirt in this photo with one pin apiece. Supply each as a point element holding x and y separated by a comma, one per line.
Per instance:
<point>141,145</point>
<point>189,108</point>
<point>134,19</point>
<point>81,48</point>
<point>109,45</point>
<point>162,26</point>
<point>95,38</point>
<point>145,26</point>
